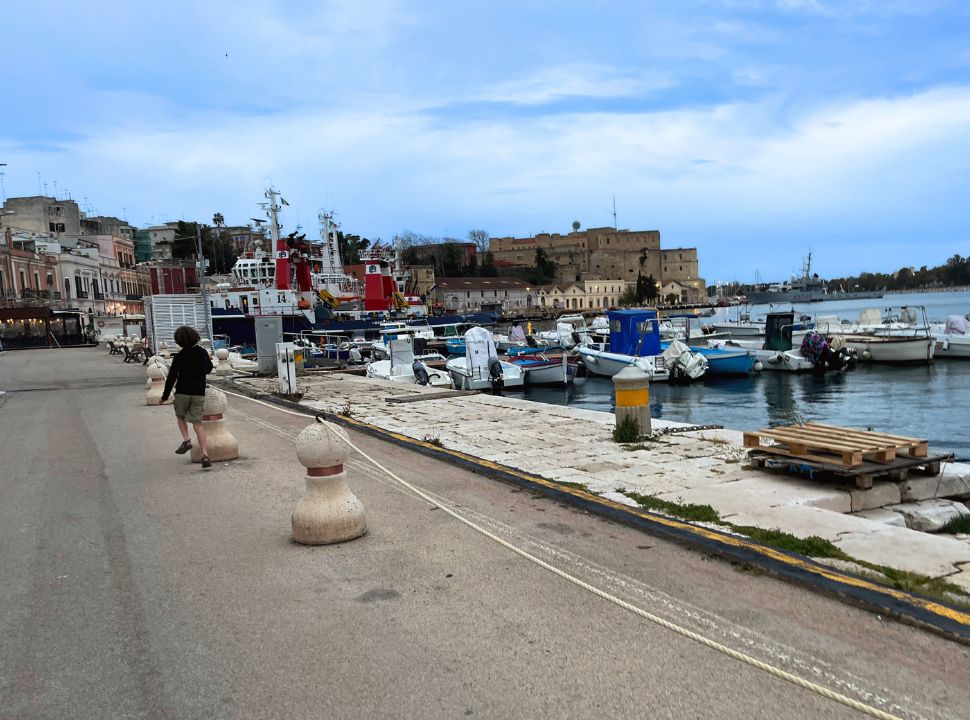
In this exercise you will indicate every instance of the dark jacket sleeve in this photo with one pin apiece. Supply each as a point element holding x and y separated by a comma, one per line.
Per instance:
<point>173,373</point>
<point>208,362</point>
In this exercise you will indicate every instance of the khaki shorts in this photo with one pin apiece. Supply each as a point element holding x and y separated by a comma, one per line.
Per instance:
<point>189,407</point>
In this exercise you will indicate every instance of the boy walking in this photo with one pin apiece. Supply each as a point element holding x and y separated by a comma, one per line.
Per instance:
<point>190,365</point>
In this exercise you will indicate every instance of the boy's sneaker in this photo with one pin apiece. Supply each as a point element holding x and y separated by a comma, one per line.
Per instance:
<point>206,463</point>
<point>184,447</point>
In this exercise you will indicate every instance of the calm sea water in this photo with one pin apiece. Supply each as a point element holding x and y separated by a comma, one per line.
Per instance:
<point>932,401</point>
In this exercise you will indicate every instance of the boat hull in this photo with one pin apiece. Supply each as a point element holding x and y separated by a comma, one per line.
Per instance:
<point>892,350</point>
<point>466,378</point>
<point>951,347</point>
<point>607,364</point>
<point>546,372</point>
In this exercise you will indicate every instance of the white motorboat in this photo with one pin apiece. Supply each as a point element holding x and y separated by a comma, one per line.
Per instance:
<point>540,369</point>
<point>607,364</point>
<point>777,354</point>
<point>892,349</point>
<point>894,339</point>
<point>571,330</point>
<point>404,366</point>
<point>953,338</point>
<point>481,368</point>
<point>635,340</point>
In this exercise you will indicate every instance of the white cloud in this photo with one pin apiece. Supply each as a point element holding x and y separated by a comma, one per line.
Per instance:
<point>574,80</point>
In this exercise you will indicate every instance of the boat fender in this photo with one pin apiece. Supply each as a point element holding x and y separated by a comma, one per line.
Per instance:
<point>758,366</point>
<point>777,358</point>
<point>590,359</point>
<point>866,354</point>
<point>355,355</point>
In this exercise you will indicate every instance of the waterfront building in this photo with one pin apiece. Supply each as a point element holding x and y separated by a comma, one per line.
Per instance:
<point>161,238</point>
<point>28,273</point>
<point>477,294</point>
<point>172,277</point>
<point>581,295</point>
<point>597,253</point>
<point>42,215</point>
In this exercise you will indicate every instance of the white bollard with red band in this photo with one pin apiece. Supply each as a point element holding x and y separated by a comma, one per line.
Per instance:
<point>329,512</point>
<point>221,443</point>
<point>224,368</point>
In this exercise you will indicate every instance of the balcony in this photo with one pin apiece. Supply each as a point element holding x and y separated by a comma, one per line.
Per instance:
<point>134,298</point>
<point>99,295</point>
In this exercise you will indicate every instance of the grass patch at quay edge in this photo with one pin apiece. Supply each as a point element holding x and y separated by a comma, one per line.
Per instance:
<point>813,547</point>
<point>686,511</point>
<point>957,525</point>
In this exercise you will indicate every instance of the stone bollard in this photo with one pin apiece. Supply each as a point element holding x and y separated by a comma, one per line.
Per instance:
<point>164,350</point>
<point>156,378</point>
<point>329,512</point>
<point>223,368</point>
<point>632,387</point>
<point>222,444</point>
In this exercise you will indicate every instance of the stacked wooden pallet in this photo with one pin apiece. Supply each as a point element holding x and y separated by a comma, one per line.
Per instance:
<point>834,445</point>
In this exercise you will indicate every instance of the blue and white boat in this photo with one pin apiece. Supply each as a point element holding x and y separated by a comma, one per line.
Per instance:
<point>542,370</point>
<point>725,362</point>
<point>635,340</point>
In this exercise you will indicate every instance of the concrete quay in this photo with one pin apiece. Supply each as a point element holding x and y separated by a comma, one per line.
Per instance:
<point>706,467</point>
<point>135,585</point>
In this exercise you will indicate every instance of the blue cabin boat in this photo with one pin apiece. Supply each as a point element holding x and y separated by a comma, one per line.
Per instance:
<point>634,332</point>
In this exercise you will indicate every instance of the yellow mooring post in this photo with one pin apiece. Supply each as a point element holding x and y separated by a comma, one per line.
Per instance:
<point>632,387</point>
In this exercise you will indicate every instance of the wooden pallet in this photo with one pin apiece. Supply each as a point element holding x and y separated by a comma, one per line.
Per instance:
<point>862,476</point>
<point>835,445</point>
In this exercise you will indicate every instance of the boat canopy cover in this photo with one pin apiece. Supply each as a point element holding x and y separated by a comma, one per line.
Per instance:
<point>870,316</point>
<point>634,332</point>
<point>778,327</point>
<point>402,352</point>
<point>479,348</point>
<point>956,325</point>
<point>828,324</point>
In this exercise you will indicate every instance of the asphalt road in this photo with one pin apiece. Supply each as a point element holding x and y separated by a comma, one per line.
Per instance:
<point>135,585</point>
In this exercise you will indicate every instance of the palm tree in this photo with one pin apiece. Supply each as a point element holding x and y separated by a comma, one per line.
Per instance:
<point>219,222</point>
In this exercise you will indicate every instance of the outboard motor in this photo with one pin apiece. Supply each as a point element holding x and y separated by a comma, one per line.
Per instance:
<point>496,376</point>
<point>355,356</point>
<point>420,370</point>
<point>531,341</point>
<point>577,340</point>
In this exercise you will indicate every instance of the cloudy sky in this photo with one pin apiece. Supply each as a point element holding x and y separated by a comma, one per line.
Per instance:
<point>753,130</point>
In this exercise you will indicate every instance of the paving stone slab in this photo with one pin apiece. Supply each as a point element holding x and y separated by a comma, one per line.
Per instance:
<point>930,515</point>
<point>934,555</point>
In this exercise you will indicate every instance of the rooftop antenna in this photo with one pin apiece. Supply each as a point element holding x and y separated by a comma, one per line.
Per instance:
<point>55,190</point>
<point>40,189</point>
<point>3,190</point>
<point>614,213</point>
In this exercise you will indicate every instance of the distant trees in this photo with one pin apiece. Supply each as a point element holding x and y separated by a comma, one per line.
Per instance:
<point>481,239</point>
<point>351,247</point>
<point>954,272</point>
<point>221,255</point>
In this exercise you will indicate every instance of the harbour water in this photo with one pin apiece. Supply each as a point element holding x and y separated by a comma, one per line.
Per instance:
<point>931,401</point>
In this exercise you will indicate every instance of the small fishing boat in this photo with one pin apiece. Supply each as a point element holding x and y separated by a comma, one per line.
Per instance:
<point>726,362</point>
<point>404,366</point>
<point>894,339</point>
<point>481,369</point>
<point>635,340</point>
<point>953,338</point>
<point>542,370</point>
<point>777,354</point>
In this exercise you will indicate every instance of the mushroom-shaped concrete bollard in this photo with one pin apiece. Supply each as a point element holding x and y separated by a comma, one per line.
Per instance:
<point>221,443</point>
<point>156,376</point>
<point>223,368</point>
<point>164,349</point>
<point>329,512</point>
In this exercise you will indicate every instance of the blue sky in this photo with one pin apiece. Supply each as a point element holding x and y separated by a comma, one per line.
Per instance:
<point>753,130</point>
